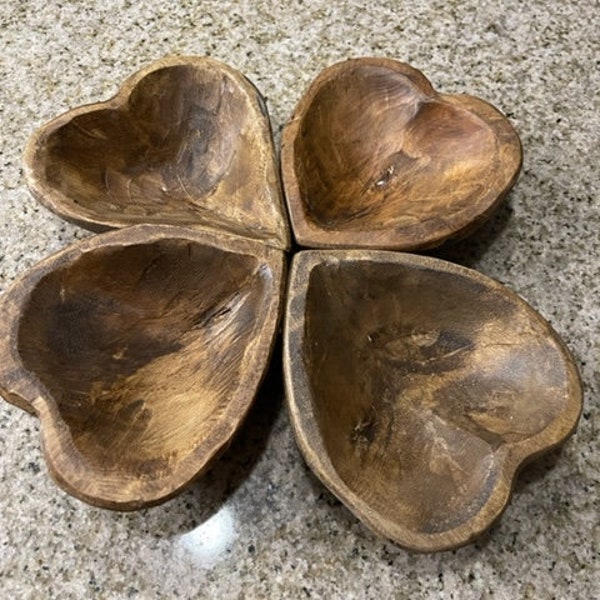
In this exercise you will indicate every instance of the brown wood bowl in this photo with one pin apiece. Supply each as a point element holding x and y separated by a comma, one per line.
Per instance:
<point>418,388</point>
<point>141,351</point>
<point>186,141</point>
<point>375,157</point>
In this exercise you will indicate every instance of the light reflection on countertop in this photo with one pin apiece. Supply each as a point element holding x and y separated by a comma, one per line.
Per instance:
<point>210,542</point>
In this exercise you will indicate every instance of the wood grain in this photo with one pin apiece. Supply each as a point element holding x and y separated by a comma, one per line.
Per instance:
<point>141,351</point>
<point>374,157</point>
<point>418,388</point>
<point>186,141</point>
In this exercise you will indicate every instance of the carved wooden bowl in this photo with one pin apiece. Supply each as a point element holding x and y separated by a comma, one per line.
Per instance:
<point>141,351</point>
<point>375,157</point>
<point>186,141</point>
<point>418,388</point>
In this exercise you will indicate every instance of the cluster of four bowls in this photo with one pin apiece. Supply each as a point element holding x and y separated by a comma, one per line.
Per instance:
<point>416,388</point>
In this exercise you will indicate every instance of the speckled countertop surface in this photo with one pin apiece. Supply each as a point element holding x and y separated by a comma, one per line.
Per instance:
<point>259,525</point>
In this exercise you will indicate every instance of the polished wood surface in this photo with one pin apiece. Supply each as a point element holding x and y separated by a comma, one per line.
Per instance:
<point>186,141</point>
<point>417,389</point>
<point>141,351</point>
<point>374,157</point>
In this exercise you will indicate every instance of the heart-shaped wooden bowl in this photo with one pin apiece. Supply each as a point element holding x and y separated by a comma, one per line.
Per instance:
<point>418,388</point>
<point>374,157</point>
<point>186,141</point>
<point>141,351</point>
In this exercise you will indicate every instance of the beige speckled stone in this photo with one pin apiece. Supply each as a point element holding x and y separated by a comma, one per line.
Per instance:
<point>259,525</point>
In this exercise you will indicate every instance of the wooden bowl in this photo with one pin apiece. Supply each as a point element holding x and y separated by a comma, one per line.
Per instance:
<point>375,157</point>
<point>141,351</point>
<point>418,388</point>
<point>186,141</point>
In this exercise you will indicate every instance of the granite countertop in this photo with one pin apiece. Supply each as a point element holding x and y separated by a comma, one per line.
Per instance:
<point>260,525</point>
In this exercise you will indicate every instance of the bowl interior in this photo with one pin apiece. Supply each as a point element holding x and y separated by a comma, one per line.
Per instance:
<point>165,143</point>
<point>419,378</point>
<point>182,144</point>
<point>375,150</point>
<point>141,347</point>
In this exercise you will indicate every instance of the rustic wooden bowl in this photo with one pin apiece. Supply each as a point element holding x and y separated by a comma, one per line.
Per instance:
<point>141,351</point>
<point>186,141</point>
<point>418,388</point>
<point>375,157</point>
